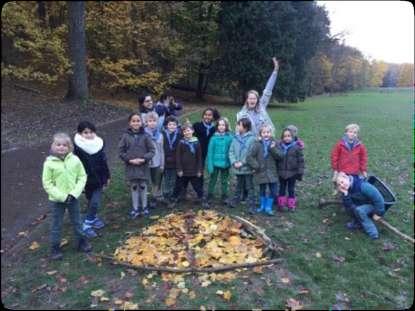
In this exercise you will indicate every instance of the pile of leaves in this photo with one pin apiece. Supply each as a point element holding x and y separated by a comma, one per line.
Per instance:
<point>200,240</point>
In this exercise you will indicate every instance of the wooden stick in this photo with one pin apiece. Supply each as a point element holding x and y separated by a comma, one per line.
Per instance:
<point>392,228</point>
<point>324,202</point>
<point>256,229</point>
<point>191,270</point>
<point>25,88</point>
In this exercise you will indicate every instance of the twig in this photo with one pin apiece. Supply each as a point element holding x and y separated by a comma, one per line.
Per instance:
<point>25,88</point>
<point>324,202</point>
<point>191,270</point>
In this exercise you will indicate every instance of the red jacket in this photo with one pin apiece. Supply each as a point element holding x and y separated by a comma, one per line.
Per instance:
<point>349,161</point>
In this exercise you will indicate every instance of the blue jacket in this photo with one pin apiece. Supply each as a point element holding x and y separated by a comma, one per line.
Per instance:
<point>361,192</point>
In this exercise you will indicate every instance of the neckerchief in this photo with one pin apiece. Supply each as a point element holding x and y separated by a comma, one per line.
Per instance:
<point>207,127</point>
<point>192,143</point>
<point>265,147</point>
<point>169,140</point>
<point>285,147</point>
<point>155,134</point>
<point>242,139</point>
<point>350,145</point>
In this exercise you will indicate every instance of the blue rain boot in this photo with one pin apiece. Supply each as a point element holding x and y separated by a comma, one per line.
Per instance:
<point>263,202</point>
<point>268,206</point>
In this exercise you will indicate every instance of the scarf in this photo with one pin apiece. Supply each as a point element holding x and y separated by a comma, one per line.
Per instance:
<point>242,139</point>
<point>350,145</point>
<point>207,127</point>
<point>285,147</point>
<point>90,146</point>
<point>169,139</point>
<point>191,143</point>
<point>265,147</point>
<point>154,133</point>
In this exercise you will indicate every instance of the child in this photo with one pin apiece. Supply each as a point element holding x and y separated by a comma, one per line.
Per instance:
<point>238,151</point>
<point>171,137</point>
<point>255,108</point>
<point>349,155</point>
<point>294,130</point>
<point>167,106</point>
<point>361,200</point>
<point>290,168</point>
<point>157,162</point>
<point>189,164</point>
<point>263,158</point>
<point>218,158</point>
<point>90,149</point>
<point>146,105</point>
<point>136,150</point>
<point>204,129</point>
<point>63,179</point>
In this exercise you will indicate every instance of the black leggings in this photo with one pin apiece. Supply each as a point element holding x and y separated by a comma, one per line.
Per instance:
<point>290,183</point>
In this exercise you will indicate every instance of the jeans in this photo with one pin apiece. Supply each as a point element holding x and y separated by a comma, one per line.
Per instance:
<point>169,182</point>
<point>245,183</point>
<point>94,202</point>
<point>362,213</point>
<point>58,213</point>
<point>290,183</point>
<point>224,176</point>
<point>272,190</point>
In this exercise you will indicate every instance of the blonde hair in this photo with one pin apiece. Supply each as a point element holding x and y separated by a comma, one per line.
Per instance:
<point>263,127</point>
<point>293,129</point>
<point>351,127</point>
<point>257,97</point>
<point>341,175</point>
<point>152,115</point>
<point>62,137</point>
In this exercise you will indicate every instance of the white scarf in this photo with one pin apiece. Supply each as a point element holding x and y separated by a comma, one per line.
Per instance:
<point>90,146</point>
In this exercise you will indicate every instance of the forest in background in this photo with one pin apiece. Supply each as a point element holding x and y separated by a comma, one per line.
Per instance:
<point>222,48</point>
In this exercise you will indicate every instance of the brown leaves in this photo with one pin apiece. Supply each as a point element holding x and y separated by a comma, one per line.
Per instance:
<point>293,304</point>
<point>35,245</point>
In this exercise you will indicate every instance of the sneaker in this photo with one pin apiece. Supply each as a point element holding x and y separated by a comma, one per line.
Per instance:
<point>88,231</point>
<point>84,246</point>
<point>56,253</point>
<point>146,212</point>
<point>353,225</point>
<point>96,223</point>
<point>134,213</point>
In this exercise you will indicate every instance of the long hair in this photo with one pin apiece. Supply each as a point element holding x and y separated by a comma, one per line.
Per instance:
<point>257,97</point>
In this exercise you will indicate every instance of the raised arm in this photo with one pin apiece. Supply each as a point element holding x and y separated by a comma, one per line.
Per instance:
<point>267,93</point>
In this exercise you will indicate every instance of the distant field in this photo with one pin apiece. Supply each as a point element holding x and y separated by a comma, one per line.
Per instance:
<point>326,265</point>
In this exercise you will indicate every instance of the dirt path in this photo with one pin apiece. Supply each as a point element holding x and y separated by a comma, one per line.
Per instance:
<point>23,199</point>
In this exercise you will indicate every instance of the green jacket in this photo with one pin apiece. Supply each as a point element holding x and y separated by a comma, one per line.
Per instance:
<point>218,151</point>
<point>265,169</point>
<point>63,177</point>
<point>238,151</point>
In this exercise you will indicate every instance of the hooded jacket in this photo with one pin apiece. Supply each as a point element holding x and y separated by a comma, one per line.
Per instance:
<point>218,151</point>
<point>264,163</point>
<point>61,177</point>
<point>238,151</point>
<point>349,160</point>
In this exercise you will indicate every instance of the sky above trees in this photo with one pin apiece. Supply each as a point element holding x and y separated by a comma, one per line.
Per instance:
<point>382,30</point>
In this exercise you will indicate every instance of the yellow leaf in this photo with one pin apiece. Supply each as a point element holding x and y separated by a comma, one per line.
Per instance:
<point>318,255</point>
<point>34,245</point>
<point>185,264</point>
<point>63,242</point>
<point>130,306</point>
<point>103,299</point>
<point>122,275</point>
<point>97,293</point>
<point>293,304</point>
<point>227,295</point>
<point>285,280</point>
<point>192,295</point>
<point>51,272</point>
<point>219,292</point>
<point>118,302</point>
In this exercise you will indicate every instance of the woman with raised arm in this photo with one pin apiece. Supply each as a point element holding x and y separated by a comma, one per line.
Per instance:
<point>255,108</point>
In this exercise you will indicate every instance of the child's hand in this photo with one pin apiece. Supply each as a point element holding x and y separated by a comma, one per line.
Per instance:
<point>134,161</point>
<point>364,174</point>
<point>275,61</point>
<point>180,174</point>
<point>199,174</point>
<point>237,164</point>
<point>273,144</point>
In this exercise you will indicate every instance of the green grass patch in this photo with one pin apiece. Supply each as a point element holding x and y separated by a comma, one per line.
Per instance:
<point>352,272</point>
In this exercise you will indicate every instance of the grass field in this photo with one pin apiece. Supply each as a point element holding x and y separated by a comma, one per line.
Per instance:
<point>326,265</point>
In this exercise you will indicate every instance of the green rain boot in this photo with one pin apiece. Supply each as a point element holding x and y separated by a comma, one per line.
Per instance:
<point>268,206</point>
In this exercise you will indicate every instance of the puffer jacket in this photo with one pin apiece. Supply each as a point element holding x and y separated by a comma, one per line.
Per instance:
<point>265,168</point>
<point>238,151</point>
<point>61,177</point>
<point>136,145</point>
<point>291,163</point>
<point>218,151</point>
<point>351,161</point>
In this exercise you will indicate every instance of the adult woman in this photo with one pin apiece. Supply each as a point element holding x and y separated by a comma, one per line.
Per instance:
<point>255,108</point>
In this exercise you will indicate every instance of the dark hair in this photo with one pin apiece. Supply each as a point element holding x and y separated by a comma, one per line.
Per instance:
<point>214,111</point>
<point>246,123</point>
<point>287,130</point>
<point>86,125</point>
<point>226,124</point>
<point>134,114</point>
<point>171,119</point>
<point>163,97</point>
<point>142,98</point>
<point>187,125</point>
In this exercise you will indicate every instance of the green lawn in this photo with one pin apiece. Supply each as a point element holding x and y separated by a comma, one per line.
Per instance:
<point>352,271</point>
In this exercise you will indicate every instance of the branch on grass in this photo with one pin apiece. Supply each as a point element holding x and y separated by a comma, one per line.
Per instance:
<point>191,270</point>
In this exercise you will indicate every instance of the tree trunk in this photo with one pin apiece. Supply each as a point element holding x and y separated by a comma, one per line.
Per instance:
<point>200,89</point>
<point>41,12</point>
<point>78,85</point>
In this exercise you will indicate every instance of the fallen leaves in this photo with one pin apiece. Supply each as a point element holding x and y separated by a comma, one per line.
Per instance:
<point>225,295</point>
<point>97,293</point>
<point>318,254</point>
<point>34,245</point>
<point>293,304</point>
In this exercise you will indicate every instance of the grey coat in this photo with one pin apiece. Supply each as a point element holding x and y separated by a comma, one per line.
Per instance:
<point>136,145</point>
<point>292,163</point>
<point>265,169</point>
